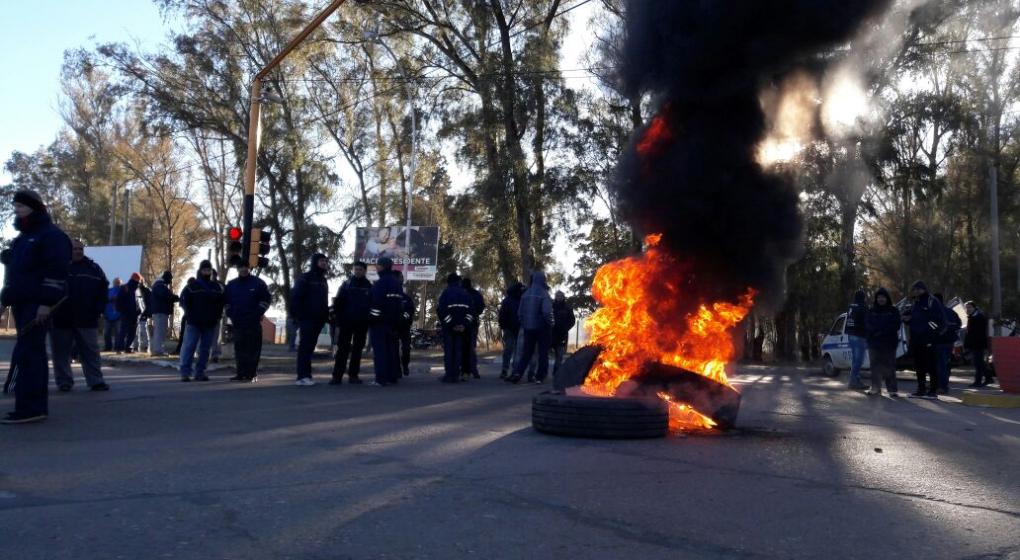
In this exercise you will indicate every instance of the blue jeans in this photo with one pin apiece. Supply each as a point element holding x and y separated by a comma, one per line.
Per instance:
<point>201,337</point>
<point>942,355</point>
<point>858,348</point>
<point>509,349</point>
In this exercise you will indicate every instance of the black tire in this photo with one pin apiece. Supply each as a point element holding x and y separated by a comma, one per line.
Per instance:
<point>828,368</point>
<point>596,417</point>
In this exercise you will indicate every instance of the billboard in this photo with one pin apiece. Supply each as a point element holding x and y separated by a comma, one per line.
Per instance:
<point>418,263</point>
<point>117,261</point>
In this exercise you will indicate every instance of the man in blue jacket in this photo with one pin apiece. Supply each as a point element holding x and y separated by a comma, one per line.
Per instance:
<point>351,312</point>
<point>926,320</point>
<point>309,305</point>
<point>202,301</point>
<point>162,300</point>
<point>470,367</point>
<point>454,310</point>
<point>127,307</point>
<point>35,281</point>
<point>386,313</point>
<point>111,319</point>
<point>247,300</point>
<point>76,322</point>
<point>536,315</point>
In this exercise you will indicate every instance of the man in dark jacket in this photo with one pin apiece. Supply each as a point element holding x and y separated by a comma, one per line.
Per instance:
<point>857,331</point>
<point>454,310</point>
<point>162,301</point>
<point>510,325</point>
<point>386,315</point>
<point>926,320</point>
<point>976,342</point>
<point>563,321</point>
<point>945,343</point>
<point>202,301</point>
<point>406,320</point>
<point>536,315</point>
<point>127,307</point>
<point>351,312</point>
<point>883,328</point>
<point>247,299</point>
<point>76,322</point>
<point>470,366</point>
<point>35,281</point>
<point>309,305</point>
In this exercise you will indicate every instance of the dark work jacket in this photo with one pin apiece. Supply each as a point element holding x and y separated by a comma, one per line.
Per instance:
<point>508,320</point>
<point>857,319</point>
<point>310,297</point>
<point>454,307</point>
<point>977,331</point>
<point>247,300</point>
<point>387,301</point>
<point>146,298</point>
<point>86,296</point>
<point>36,263</point>
<point>353,302</point>
<point>408,316</point>
<point>883,324</point>
<point>477,305</point>
<point>951,331</point>
<point>563,321</point>
<point>127,301</point>
<point>927,320</point>
<point>202,302</point>
<point>162,300</point>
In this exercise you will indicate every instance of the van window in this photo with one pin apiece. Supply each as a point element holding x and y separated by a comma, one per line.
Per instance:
<point>837,327</point>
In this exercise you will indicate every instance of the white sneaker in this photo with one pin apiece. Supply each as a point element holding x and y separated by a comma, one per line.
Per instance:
<point>305,382</point>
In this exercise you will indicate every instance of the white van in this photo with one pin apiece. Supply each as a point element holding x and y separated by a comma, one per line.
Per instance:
<point>836,354</point>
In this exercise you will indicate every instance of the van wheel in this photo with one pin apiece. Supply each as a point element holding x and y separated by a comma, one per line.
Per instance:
<point>828,368</point>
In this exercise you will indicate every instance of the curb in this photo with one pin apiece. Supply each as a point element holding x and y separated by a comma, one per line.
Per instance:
<point>993,400</point>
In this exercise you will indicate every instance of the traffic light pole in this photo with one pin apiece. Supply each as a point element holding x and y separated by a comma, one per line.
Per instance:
<point>255,122</point>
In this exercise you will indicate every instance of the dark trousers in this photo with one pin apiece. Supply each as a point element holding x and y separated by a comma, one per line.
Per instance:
<point>541,339</point>
<point>924,366</point>
<point>126,336</point>
<point>30,374</point>
<point>943,354</point>
<point>981,373</point>
<point>307,340</point>
<point>386,355</point>
<point>405,351</point>
<point>247,349</point>
<point>453,354</point>
<point>350,341</point>
<point>111,330</point>
<point>470,358</point>
<point>883,368</point>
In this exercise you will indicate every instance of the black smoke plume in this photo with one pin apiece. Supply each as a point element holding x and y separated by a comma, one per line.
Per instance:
<point>691,173</point>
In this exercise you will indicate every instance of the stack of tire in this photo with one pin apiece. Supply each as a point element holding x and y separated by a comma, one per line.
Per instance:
<point>597,417</point>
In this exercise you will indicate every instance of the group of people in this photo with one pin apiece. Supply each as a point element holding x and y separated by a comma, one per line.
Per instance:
<point>136,316</point>
<point>932,330</point>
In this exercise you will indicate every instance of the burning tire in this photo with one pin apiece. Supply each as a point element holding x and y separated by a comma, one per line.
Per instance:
<point>597,417</point>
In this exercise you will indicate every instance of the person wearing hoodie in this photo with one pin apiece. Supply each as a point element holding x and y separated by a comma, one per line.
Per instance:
<point>976,342</point>
<point>202,301</point>
<point>563,321</point>
<point>883,331</point>
<point>309,305</point>
<point>470,367</point>
<point>454,311</point>
<point>926,320</point>
<point>35,281</point>
<point>351,307</point>
<point>162,301</point>
<point>510,325</point>
<point>536,316</point>
<point>127,307</point>
<point>247,299</point>
<point>76,323</point>
<point>857,332</point>
<point>386,315</point>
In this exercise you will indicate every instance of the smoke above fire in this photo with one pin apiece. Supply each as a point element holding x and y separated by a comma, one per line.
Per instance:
<point>693,173</point>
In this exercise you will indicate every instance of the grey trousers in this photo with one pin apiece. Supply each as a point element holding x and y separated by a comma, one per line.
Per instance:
<point>87,343</point>
<point>160,325</point>
<point>141,343</point>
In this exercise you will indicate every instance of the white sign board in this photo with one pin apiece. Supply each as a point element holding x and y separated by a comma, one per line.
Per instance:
<point>117,261</point>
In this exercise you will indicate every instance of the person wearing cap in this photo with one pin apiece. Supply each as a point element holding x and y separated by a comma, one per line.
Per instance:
<point>406,321</point>
<point>76,322</point>
<point>202,301</point>
<point>309,305</point>
<point>386,315</point>
<point>926,320</point>
<point>247,300</point>
<point>454,311</point>
<point>127,307</point>
<point>351,307</point>
<point>162,301</point>
<point>35,281</point>
<point>470,367</point>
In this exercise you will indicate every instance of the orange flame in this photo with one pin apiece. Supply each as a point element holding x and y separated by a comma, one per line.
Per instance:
<point>637,295</point>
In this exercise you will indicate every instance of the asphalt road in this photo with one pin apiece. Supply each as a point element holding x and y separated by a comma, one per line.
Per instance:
<point>160,469</point>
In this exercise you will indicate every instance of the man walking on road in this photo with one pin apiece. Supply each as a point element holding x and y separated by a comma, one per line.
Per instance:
<point>76,322</point>
<point>386,314</point>
<point>536,315</point>
<point>454,310</point>
<point>247,300</point>
<point>35,280</point>
<point>351,311</point>
<point>309,305</point>
<point>162,301</point>
<point>202,301</point>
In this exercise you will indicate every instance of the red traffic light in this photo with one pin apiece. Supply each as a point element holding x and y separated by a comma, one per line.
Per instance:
<point>235,234</point>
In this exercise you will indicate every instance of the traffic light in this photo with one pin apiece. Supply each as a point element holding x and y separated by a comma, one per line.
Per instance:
<point>234,246</point>
<point>260,239</point>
